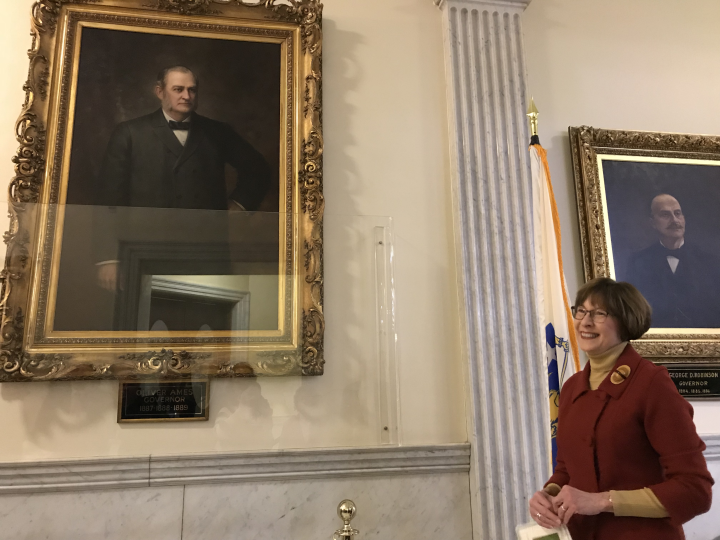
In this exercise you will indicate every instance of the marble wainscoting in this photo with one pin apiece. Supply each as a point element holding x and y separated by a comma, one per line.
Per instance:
<point>408,493</point>
<point>393,508</point>
<point>129,514</point>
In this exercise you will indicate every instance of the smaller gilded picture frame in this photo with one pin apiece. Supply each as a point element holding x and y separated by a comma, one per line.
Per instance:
<point>648,214</point>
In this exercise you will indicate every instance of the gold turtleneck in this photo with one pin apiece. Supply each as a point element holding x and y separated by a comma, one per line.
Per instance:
<point>602,364</point>
<point>637,502</point>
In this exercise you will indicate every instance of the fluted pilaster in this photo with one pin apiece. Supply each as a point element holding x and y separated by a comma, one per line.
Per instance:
<point>492,192</point>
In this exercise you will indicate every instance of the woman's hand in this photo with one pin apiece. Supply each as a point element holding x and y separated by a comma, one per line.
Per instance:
<point>571,501</point>
<point>542,511</point>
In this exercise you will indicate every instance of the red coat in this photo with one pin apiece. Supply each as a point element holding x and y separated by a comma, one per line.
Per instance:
<point>631,435</point>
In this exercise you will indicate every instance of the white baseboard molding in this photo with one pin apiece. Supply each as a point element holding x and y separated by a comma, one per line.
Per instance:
<point>712,452</point>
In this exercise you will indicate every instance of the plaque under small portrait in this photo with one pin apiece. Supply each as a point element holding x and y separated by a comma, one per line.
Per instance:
<point>696,382</point>
<point>163,401</point>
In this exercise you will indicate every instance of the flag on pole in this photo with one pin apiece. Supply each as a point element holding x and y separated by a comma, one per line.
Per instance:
<point>560,343</point>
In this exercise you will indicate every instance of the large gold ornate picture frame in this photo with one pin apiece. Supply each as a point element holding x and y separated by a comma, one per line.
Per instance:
<point>257,66</point>
<point>636,192</point>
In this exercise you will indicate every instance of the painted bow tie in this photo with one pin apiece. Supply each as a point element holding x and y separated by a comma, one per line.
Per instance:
<point>183,126</point>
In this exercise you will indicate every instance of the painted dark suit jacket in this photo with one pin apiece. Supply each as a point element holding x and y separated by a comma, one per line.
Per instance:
<point>685,299</point>
<point>146,166</point>
<point>626,436</point>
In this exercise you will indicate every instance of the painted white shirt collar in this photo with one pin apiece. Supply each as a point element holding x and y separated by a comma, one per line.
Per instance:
<point>181,135</point>
<point>673,261</point>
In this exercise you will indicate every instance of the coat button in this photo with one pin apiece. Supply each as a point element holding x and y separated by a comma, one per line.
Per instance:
<point>620,374</point>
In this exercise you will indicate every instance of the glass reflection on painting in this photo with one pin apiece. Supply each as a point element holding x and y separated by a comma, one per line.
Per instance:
<point>178,155</point>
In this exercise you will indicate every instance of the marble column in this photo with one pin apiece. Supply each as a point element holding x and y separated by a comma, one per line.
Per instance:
<point>508,404</point>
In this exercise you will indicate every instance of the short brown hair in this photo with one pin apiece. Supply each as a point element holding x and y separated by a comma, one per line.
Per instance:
<point>621,300</point>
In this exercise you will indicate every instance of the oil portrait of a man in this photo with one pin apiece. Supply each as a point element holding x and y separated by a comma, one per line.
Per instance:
<point>676,276</point>
<point>173,186</point>
<point>664,237</point>
<point>175,158</point>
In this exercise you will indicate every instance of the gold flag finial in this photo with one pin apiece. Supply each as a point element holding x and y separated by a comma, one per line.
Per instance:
<point>533,114</point>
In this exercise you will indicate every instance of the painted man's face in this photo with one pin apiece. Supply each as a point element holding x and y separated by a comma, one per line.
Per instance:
<point>179,98</point>
<point>667,217</point>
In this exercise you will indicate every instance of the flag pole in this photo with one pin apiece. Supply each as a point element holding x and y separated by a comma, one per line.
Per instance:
<point>561,352</point>
<point>532,114</point>
<point>552,369</point>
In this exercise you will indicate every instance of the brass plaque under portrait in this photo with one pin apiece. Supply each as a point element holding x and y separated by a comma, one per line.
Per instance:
<point>163,401</point>
<point>166,213</point>
<point>647,209</point>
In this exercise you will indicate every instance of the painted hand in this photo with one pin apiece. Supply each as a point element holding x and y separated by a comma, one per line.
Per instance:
<point>107,275</point>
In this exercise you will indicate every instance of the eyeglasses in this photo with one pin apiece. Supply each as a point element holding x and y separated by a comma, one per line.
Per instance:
<point>596,315</point>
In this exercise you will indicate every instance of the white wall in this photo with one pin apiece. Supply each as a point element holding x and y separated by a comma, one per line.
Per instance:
<point>641,65</point>
<point>385,155</point>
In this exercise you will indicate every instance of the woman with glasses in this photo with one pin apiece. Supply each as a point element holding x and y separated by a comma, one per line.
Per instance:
<point>630,464</point>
